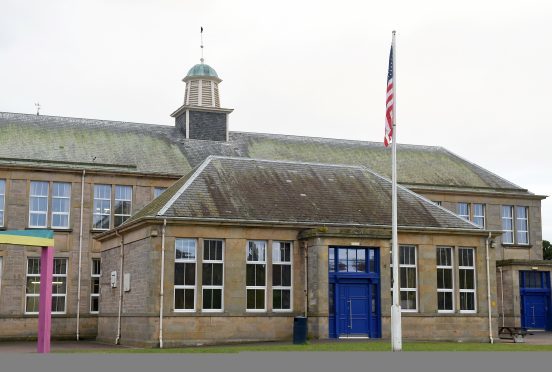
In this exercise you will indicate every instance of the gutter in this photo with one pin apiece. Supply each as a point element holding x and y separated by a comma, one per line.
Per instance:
<point>122,255</point>
<point>161,291</point>
<point>80,255</point>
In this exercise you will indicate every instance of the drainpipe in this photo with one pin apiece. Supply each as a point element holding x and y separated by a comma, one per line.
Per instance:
<point>80,255</point>
<point>501,294</point>
<point>487,241</point>
<point>306,278</point>
<point>121,256</point>
<point>161,290</point>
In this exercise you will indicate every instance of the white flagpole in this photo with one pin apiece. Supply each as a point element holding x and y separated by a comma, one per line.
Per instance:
<point>396,327</point>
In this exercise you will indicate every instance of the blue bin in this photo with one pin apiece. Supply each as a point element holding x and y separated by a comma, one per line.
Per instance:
<point>300,330</point>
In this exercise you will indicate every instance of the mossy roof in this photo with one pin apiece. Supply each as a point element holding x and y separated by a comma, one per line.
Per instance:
<point>265,191</point>
<point>53,141</point>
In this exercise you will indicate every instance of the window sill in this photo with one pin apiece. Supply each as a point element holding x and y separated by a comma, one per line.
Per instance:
<point>97,231</point>
<point>508,245</point>
<point>55,229</point>
<point>2,228</point>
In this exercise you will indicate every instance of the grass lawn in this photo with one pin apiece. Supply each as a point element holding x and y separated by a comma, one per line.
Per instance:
<point>327,347</point>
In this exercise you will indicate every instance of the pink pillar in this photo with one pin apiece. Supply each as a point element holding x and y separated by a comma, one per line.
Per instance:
<point>45,299</point>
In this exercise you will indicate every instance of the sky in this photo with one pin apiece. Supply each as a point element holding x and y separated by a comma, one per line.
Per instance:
<point>472,76</point>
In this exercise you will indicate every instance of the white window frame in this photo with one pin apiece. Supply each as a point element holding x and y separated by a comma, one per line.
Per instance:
<point>511,218</point>
<point>409,289</point>
<point>256,287</point>
<point>464,290</point>
<point>221,287</point>
<point>185,286</point>
<point>45,212</point>
<point>101,213</point>
<point>94,276</point>
<point>37,281</point>
<point>482,216</point>
<point>446,290</point>
<point>64,275</point>
<point>68,213</point>
<point>518,230</point>
<point>464,216</point>
<point>3,202</point>
<point>277,262</point>
<point>115,199</point>
<point>54,276</point>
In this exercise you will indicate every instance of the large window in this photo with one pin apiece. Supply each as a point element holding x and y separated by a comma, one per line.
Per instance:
<point>213,275</point>
<point>102,207</point>
<point>466,275</point>
<point>59,286</point>
<point>255,276</point>
<point>38,204</point>
<point>185,275</point>
<point>407,278</point>
<point>95,286</point>
<point>123,204</point>
<point>522,225</point>
<point>2,200</point>
<point>281,276</point>
<point>507,224</point>
<point>464,210</point>
<point>479,214</point>
<point>61,202</point>
<point>445,282</point>
<point>520,215</point>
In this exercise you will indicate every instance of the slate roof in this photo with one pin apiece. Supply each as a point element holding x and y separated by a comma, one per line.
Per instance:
<point>122,147</point>
<point>263,191</point>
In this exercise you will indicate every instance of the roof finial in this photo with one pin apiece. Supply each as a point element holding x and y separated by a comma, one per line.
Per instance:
<point>37,105</point>
<point>201,33</point>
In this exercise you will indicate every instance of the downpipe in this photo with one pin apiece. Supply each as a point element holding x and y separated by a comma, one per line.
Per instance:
<point>80,255</point>
<point>120,284</point>
<point>487,243</point>
<point>161,290</point>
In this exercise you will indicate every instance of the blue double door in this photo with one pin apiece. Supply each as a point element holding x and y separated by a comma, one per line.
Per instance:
<point>535,300</point>
<point>354,293</point>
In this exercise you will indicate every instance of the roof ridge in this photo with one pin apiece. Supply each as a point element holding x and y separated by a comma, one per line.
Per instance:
<point>80,118</point>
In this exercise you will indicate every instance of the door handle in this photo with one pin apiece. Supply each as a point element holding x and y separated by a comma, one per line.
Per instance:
<point>350,314</point>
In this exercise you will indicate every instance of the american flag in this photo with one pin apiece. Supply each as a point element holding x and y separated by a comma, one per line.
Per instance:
<point>389,103</point>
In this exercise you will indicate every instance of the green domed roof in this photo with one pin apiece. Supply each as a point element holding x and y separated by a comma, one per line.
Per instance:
<point>202,70</point>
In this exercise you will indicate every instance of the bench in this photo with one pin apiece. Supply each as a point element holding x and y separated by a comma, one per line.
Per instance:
<point>517,334</point>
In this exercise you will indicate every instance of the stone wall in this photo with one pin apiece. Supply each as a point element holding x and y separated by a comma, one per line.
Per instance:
<point>17,324</point>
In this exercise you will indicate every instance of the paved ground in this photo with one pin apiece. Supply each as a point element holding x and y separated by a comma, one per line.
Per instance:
<point>30,346</point>
<point>534,338</point>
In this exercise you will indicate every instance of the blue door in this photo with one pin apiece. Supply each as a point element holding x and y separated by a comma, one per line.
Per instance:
<point>534,311</point>
<point>354,292</point>
<point>354,310</point>
<point>535,299</point>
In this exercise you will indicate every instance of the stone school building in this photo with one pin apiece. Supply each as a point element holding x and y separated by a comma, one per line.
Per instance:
<point>191,233</point>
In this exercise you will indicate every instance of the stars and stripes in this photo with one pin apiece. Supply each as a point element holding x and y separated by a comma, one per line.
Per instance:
<point>388,138</point>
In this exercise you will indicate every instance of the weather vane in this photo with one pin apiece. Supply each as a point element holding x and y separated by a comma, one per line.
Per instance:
<point>201,34</point>
<point>37,105</point>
